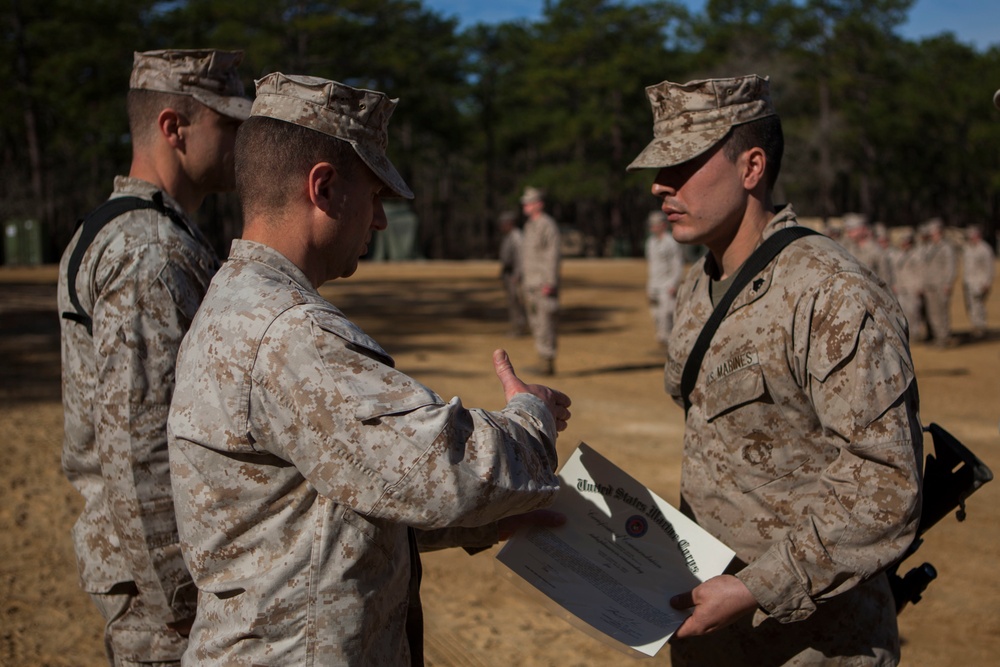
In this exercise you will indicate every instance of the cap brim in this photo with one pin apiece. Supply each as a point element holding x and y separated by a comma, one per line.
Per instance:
<point>677,148</point>
<point>385,171</point>
<point>996,99</point>
<point>232,107</point>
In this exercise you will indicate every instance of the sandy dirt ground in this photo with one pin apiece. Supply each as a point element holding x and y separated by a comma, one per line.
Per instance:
<point>441,321</point>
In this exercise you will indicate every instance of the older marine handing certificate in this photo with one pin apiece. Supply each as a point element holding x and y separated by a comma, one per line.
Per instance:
<point>619,558</point>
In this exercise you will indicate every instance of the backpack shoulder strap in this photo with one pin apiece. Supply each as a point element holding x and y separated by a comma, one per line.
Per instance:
<point>92,224</point>
<point>760,258</point>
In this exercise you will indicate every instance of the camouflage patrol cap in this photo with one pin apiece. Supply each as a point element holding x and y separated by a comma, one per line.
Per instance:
<point>532,195</point>
<point>690,118</point>
<point>207,75</point>
<point>854,221</point>
<point>358,116</point>
<point>933,226</point>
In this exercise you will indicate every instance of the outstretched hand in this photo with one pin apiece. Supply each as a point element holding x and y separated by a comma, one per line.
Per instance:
<point>557,402</point>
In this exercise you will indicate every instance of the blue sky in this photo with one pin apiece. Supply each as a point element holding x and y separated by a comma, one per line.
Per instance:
<point>975,22</point>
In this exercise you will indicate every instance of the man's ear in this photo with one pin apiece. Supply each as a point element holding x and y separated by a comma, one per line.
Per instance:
<point>754,166</point>
<point>322,178</point>
<point>169,124</point>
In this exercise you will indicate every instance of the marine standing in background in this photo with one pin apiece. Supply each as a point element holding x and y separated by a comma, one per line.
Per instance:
<point>908,284</point>
<point>512,272</point>
<point>978,267</point>
<point>802,442</point>
<point>138,286</point>
<point>885,256</point>
<point>540,260</point>
<point>665,268</point>
<point>860,241</point>
<point>939,272</point>
<point>308,471</point>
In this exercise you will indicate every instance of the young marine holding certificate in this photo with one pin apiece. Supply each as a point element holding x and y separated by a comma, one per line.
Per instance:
<point>802,443</point>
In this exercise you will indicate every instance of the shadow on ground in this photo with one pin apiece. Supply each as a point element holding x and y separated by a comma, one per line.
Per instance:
<point>29,343</point>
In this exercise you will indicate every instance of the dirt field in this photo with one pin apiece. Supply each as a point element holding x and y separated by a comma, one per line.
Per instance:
<point>441,321</point>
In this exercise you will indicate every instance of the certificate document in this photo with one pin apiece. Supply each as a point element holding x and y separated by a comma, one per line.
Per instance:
<point>619,558</point>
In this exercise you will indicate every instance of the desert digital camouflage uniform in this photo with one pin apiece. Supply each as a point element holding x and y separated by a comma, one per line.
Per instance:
<point>664,270</point>
<point>801,452</point>
<point>540,261</point>
<point>885,264</point>
<point>299,459</point>
<point>141,280</point>
<point>908,285</point>
<point>978,267</point>
<point>939,272</point>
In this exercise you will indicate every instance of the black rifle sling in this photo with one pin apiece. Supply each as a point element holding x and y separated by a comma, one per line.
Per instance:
<point>92,224</point>
<point>760,258</point>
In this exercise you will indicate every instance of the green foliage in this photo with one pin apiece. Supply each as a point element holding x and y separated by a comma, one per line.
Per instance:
<point>896,129</point>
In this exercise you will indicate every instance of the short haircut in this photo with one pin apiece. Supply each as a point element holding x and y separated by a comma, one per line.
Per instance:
<point>144,107</point>
<point>764,133</point>
<point>273,156</point>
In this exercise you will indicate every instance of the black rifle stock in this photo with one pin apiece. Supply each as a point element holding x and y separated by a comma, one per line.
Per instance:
<point>951,474</point>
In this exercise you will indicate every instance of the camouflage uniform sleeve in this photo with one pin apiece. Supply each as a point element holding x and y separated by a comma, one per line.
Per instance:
<point>138,326</point>
<point>850,355</point>
<point>373,439</point>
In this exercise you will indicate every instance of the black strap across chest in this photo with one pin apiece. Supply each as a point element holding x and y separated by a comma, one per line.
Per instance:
<point>92,224</point>
<point>760,258</point>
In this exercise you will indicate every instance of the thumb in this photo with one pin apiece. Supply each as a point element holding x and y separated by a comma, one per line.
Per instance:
<point>683,600</point>
<point>505,372</point>
<point>501,362</point>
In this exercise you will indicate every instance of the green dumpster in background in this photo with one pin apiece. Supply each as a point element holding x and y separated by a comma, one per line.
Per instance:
<point>399,240</point>
<point>22,243</point>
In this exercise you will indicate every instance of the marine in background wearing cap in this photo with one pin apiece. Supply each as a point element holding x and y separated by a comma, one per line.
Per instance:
<point>664,270</point>
<point>140,281</point>
<point>940,269</point>
<point>908,283</point>
<point>860,241</point>
<point>978,267</point>
<point>540,259</point>
<point>802,443</point>
<point>307,469</point>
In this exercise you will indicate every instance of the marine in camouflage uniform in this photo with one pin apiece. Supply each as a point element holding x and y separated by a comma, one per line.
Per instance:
<point>540,258</point>
<point>140,282</point>
<point>308,471</point>
<point>802,443</point>
<point>978,267</point>
<point>886,260</point>
<point>940,268</point>
<point>664,270</point>
<point>908,284</point>
<point>861,243</point>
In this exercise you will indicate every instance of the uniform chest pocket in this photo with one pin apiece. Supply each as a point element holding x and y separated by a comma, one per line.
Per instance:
<point>751,433</point>
<point>733,390</point>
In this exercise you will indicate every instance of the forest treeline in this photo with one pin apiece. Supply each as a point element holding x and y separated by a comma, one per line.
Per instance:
<point>900,130</point>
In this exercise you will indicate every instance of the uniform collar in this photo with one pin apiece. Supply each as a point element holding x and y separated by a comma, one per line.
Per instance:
<point>136,187</point>
<point>759,285</point>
